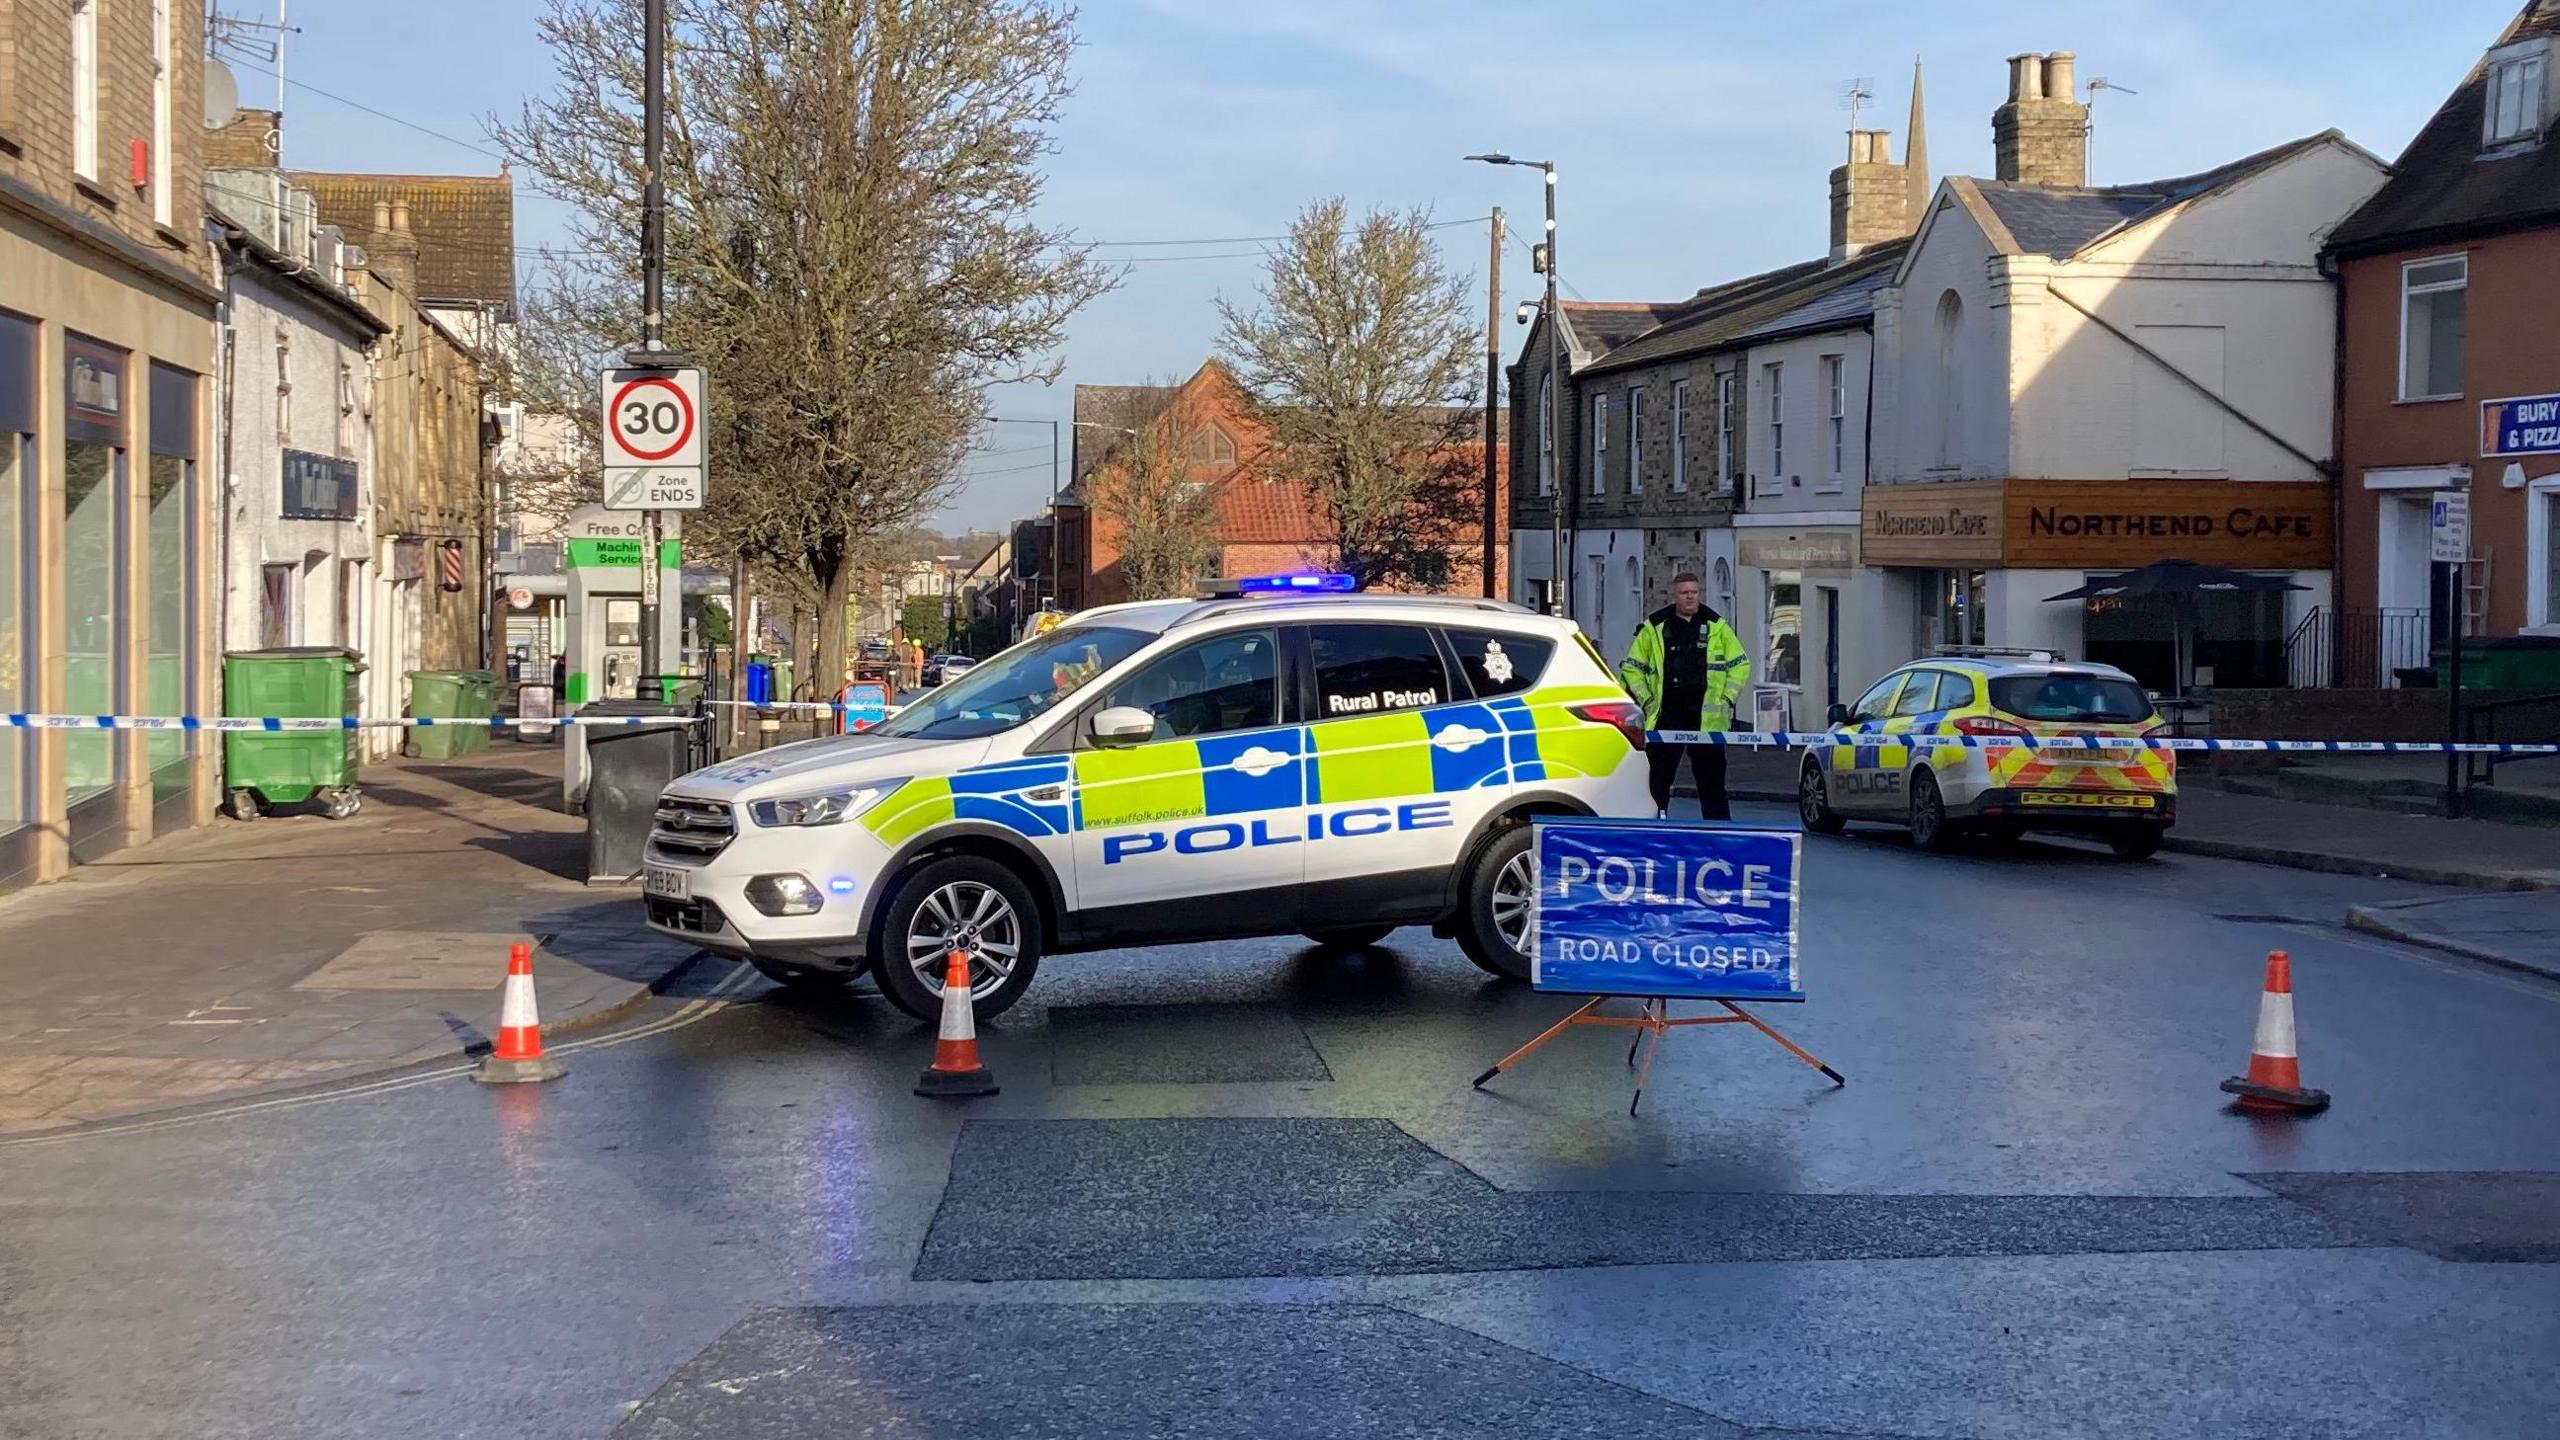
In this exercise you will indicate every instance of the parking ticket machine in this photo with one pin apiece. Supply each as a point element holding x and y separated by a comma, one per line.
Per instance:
<point>600,553</point>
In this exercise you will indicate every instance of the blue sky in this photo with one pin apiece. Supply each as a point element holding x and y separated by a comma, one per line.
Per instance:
<point>1694,140</point>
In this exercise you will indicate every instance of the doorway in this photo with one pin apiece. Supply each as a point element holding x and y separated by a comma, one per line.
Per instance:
<point>1830,598</point>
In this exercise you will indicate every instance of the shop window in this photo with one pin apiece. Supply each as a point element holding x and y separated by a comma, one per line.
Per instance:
<point>1371,669</point>
<point>1782,621</point>
<point>1952,609</point>
<point>169,615</point>
<point>2431,327</point>
<point>93,528</point>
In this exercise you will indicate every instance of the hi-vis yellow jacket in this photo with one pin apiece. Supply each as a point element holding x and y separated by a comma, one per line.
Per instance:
<point>1728,670</point>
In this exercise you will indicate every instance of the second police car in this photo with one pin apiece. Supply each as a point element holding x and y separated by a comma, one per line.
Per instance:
<point>2126,795</point>
<point>1277,762</point>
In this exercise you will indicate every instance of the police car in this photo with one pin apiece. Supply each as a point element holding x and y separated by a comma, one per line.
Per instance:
<point>2126,795</point>
<point>1289,758</point>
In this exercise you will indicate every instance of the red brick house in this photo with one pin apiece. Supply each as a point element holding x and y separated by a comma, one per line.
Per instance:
<point>1265,524</point>
<point>2448,316</point>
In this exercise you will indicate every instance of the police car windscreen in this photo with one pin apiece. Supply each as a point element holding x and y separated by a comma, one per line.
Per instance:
<point>2089,699</point>
<point>1024,681</point>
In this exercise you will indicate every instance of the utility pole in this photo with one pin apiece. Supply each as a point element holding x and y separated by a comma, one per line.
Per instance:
<point>653,300</point>
<point>1562,563</point>
<point>1492,392</point>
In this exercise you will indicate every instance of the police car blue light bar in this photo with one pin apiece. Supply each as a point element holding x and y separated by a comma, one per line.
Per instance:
<point>1301,583</point>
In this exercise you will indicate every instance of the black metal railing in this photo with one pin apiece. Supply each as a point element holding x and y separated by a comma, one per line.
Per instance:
<point>2360,649</point>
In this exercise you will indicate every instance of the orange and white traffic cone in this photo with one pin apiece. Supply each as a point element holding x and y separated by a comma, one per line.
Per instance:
<point>955,1070</point>
<point>519,1054</point>
<point>2273,1085</point>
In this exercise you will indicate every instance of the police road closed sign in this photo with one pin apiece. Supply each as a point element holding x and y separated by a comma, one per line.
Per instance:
<point>1658,909</point>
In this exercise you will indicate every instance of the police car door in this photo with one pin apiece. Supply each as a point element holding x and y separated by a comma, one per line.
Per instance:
<point>1212,807</point>
<point>1383,723</point>
<point>1860,782</point>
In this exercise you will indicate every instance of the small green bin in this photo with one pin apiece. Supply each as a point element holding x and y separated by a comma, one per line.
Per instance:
<point>451,695</point>
<point>260,771</point>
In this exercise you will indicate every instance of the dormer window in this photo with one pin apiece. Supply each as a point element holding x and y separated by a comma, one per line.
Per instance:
<point>2518,80</point>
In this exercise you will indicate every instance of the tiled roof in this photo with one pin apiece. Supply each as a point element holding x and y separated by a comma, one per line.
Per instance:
<point>2443,185</point>
<point>1254,510</point>
<point>1603,325</point>
<point>2044,220</point>
<point>465,225</point>
<point>1722,314</point>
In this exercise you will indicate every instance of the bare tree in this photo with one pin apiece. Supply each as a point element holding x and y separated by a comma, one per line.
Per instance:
<point>849,248</point>
<point>1361,363</point>
<point>1162,516</point>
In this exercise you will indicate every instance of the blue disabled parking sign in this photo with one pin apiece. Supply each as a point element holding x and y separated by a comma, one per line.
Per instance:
<point>1667,910</point>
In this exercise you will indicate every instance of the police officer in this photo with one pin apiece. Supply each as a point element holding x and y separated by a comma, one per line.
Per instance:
<point>1685,668</point>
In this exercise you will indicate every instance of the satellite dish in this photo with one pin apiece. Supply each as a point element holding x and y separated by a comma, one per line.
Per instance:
<point>221,95</point>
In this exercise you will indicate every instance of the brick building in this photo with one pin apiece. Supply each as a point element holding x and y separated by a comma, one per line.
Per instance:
<point>2449,315</point>
<point>108,293</point>
<point>1263,523</point>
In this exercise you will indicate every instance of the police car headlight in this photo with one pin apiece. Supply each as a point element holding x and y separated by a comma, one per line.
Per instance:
<point>824,808</point>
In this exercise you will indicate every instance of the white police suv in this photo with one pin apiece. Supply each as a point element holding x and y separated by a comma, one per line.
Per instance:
<point>1287,759</point>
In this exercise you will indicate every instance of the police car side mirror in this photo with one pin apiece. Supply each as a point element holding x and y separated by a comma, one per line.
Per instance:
<point>1838,715</point>
<point>1122,725</point>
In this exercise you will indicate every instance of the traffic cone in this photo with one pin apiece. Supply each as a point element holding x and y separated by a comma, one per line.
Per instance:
<point>955,1070</point>
<point>519,1054</point>
<point>2274,1083</point>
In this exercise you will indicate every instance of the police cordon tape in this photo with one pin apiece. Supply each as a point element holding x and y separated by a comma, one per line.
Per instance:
<point>1792,739</point>
<point>1738,739</point>
<point>271,724</point>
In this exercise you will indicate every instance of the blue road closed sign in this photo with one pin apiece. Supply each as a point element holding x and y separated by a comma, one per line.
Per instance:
<point>1652,908</point>
<point>866,703</point>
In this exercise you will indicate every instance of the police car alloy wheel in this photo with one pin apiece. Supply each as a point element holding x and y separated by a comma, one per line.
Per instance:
<point>1929,827</point>
<point>1494,929</point>
<point>958,902</point>
<point>1813,803</point>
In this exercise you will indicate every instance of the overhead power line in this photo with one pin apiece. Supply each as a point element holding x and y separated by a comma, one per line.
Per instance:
<point>369,110</point>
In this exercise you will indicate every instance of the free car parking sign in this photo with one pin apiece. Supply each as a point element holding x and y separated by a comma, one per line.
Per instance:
<point>1657,909</point>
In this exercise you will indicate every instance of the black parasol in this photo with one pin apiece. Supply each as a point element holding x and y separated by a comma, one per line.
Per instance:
<point>2178,582</point>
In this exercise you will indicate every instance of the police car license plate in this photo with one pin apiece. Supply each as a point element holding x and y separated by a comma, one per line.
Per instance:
<point>665,882</point>
<point>2088,802</point>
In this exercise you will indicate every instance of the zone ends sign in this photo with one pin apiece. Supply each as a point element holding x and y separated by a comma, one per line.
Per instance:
<point>653,421</point>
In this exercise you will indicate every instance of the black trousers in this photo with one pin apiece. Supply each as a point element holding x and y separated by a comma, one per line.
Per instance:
<point>1706,765</point>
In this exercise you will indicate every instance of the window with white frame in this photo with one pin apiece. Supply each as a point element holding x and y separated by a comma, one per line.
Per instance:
<point>1773,376</point>
<point>2517,79</point>
<point>1680,436</point>
<point>1547,434</point>
<point>1835,386</point>
<point>1599,444</point>
<point>1635,439</point>
<point>84,88</point>
<point>1727,471</point>
<point>163,63</point>
<point>2431,326</point>
<point>2542,548</point>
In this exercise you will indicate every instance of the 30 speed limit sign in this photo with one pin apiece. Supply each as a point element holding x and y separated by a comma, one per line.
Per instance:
<point>653,439</point>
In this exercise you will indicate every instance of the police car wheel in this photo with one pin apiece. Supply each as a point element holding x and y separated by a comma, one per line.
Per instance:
<point>1929,827</point>
<point>1351,937</point>
<point>1813,804</point>
<point>958,902</point>
<point>1494,928</point>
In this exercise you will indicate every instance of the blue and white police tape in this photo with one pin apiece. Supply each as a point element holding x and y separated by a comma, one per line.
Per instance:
<point>1793,739</point>
<point>280,723</point>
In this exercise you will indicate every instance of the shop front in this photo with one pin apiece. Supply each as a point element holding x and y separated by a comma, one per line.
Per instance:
<point>1806,613</point>
<point>1975,562</point>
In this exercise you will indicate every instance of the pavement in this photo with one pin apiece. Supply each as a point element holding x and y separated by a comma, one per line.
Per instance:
<point>1246,1189</point>
<point>291,949</point>
<point>2521,932</point>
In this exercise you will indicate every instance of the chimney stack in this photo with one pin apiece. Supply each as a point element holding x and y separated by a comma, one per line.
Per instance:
<point>2041,136</point>
<point>391,252</point>
<point>1870,196</point>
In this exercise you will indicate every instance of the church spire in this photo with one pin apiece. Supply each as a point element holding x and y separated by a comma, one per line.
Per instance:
<point>1915,154</point>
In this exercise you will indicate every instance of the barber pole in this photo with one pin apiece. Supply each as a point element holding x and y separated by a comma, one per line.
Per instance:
<point>518,1056</point>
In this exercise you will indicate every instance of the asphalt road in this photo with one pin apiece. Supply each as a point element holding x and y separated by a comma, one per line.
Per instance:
<point>1245,1189</point>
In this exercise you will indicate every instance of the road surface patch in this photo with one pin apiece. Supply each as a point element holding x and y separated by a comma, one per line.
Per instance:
<point>1173,1370</point>
<point>2491,1217</point>
<point>1179,1045</point>
<point>1214,1198</point>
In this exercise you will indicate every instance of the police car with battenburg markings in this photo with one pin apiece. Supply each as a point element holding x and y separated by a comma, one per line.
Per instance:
<point>1286,757</point>
<point>1929,747</point>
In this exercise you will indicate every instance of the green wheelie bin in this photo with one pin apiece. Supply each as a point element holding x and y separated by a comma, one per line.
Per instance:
<point>451,695</point>
<point>291,767</point>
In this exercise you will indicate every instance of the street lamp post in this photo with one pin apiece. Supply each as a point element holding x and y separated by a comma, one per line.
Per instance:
<point>1057,486</point>
<point>1561,596</point>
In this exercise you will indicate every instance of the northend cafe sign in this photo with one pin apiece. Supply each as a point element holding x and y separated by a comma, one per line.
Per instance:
<point>2066,524</point>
